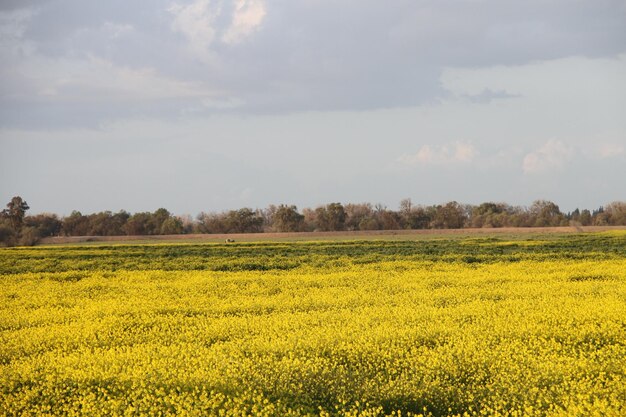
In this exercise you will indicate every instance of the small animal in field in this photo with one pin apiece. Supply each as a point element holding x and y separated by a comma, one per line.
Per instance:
<point>229,241</point>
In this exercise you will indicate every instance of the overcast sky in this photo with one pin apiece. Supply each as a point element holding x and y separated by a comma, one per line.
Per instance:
<point>209,105</point>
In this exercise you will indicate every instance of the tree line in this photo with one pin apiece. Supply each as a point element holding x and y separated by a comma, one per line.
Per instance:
<point>17,228</point>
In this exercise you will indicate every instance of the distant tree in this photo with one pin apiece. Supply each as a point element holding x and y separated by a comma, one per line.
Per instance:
<point>388,219</point>
<point>585,217</point>
<point>488,208</point>
<point>418,217</point>
<point>616,212</point>
<point>546,213</point>
<point>172,226</point>
<point>8,236</point>
<point>406,205</point>
<point>46,224</point>
<point>75,225</point>
<point>449,216</point>
<point>518,216</point>
<point>159,217</point>
<point>146,223</point>
<point>488,214</point>
<point>187,222</point>
<point>211,223</point>
<point>369,223</point>
<point>17,228</point>
<point>574,215</point>
<point>331,217</point>
<point>244,220</point>
<point>360,217</point>
<point>12,227</point>
<point>601,219</point>
<point>117,223</point>
<point>99,223</point>
<point>287,219</point>
<point>15,212</point>
<point>310,219</point>
<point>28,236</point>
<point>140,224</point>
<point>321,219</point>
<point>268,217</point>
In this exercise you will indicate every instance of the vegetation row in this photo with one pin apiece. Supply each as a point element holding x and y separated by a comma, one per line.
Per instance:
<point>18,228</point>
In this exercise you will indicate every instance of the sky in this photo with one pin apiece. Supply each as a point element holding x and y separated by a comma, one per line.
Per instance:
<point>212,105</point>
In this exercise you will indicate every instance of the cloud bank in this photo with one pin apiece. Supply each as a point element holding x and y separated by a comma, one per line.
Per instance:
<point>279,57</point>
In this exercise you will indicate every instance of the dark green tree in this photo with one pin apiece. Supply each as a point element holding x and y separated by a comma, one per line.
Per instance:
<point>159,217</point>
<point>15,212</point>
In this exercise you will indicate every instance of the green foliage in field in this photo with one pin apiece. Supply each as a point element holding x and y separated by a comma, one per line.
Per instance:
<point>266,256</point>
<point>481,326</point>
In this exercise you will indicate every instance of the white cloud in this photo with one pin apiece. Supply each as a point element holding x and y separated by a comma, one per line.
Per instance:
<point>197,22</point>
<point>247,17</point>
<point>459,152</point>
<point>200,22</point>
<point>553,155</point>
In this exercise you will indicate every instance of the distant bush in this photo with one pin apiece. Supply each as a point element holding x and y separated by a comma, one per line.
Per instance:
<point>29,236</point>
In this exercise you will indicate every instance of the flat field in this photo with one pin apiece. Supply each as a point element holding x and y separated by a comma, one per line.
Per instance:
<point>526,325</point>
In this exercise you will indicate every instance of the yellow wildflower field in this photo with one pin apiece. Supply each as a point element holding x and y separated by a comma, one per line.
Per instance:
<point>456,327</point>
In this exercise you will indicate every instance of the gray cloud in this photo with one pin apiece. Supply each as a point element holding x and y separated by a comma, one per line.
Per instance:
<point>299,56</point>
